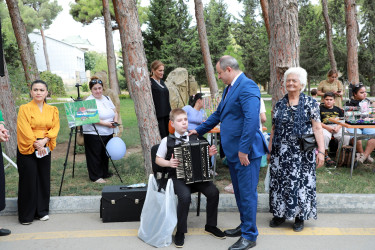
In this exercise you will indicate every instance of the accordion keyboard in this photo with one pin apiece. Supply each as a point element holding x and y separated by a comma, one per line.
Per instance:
<point>194,161</point>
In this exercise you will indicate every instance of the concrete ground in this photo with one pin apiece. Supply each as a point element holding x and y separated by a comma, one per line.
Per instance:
<point>86,231</point>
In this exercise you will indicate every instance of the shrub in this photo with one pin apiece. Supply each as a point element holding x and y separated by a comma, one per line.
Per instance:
<point>85,87</point>
<point>55,83</point>
<point>124,96</point>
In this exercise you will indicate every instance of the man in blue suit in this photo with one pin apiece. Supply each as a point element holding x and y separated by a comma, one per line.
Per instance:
<point>242,142</point>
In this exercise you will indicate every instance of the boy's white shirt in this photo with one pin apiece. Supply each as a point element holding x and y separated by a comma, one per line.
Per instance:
<point>162,150</point>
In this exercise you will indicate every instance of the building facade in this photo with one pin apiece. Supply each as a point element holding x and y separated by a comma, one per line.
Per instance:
<point>66,60</point>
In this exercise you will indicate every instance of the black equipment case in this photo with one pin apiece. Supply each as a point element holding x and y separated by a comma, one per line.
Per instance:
<point>122,203</point>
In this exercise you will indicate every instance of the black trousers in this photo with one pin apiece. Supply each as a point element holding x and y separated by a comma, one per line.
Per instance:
<point>33,186</point>
<point>183,192</point>
<point>163,126</point>
<point>96,156</point>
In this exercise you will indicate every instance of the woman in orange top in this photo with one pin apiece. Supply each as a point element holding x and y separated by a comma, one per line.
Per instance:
<point>37,128</point>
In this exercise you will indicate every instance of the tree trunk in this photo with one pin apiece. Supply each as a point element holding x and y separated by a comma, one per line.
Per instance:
<point>137,76</point>
<point>27,56</point>
<point>111,58</point>
<point>372,89</point>
<point>264,4</point>
<point>284,43</point>
<point>210,73</point>
<point>45,50</point>
<point>328,26</point>
<point>8,109</point>
<point>351,40</point>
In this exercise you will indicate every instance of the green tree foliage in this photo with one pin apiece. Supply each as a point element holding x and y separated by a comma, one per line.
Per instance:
<point>45,11</point>
<point>251,36</point>
<point>336,12</point>
<point>30,18</point>
<point>158,24</point>
<point>170,38</point>
<point>90,58</point>
<point>218,26</point>
<point>55,83</point>
<point>178,47</point>
<point>366,55</point>
<point>313,51</point>
<point>95,61</point>
<point>87,11</point>
<point>10,47</point>
<point>11,53</point>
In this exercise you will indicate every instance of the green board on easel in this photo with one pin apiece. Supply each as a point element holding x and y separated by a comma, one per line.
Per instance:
<point>81,113</point>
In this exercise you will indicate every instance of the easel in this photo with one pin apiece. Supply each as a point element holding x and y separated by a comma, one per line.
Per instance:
<point>75,145</point>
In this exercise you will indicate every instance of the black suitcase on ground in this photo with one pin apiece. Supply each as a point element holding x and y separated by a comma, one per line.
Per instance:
<point>121,203</point>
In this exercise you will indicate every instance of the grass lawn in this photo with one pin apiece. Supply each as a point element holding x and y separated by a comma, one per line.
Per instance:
<point>131,167</point>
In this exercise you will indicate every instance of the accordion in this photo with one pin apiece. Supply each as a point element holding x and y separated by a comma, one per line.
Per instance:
<point>194,161</point>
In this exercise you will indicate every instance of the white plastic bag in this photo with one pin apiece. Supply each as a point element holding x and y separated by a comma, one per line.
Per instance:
<point>267,180</point>
<point>159,215</point>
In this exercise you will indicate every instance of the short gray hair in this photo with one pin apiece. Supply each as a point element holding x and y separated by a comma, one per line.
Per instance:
<point>300,72</point>
<point>228,61</point>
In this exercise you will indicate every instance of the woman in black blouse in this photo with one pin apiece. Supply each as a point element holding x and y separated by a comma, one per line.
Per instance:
<point>160,94</point>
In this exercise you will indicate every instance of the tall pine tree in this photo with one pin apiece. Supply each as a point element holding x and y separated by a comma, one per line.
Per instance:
<point>218,26</point>
<point>159,21</point>
<point>252,36</point>
<point>170,38</point>
<point>313,52</point>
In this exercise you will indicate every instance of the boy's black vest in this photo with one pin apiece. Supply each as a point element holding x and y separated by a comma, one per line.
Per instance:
<point>171,144</point>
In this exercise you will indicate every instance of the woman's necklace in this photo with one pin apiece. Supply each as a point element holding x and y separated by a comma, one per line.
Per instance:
<point>293,100</point>
<point>293,103</point>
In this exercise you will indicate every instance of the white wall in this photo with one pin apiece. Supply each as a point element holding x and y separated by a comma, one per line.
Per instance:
<point>65,59</point>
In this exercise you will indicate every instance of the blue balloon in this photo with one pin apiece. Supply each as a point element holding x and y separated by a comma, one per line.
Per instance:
<point>116,148</point>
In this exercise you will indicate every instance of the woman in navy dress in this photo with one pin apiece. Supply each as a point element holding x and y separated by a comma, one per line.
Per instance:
<point>292,170</point>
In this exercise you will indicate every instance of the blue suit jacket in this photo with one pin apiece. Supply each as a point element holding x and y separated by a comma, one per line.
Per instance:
<point>239,117</point>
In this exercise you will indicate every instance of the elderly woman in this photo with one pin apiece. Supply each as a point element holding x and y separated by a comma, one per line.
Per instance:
<point>160,95</point>
<point>292,169</point>
<point>332,84</point>
<point>359,96</point>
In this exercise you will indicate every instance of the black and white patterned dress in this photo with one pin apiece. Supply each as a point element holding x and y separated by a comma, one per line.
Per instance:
<point>292,171</point>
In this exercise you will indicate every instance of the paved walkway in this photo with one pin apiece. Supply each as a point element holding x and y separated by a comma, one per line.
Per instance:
<point>86,231</point>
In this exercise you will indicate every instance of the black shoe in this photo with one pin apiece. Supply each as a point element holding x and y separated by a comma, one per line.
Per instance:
<point>242,244</point>
<point>298,225</point>
<point>179,240</point>
<point>4,232</point>
<point>276,221</point>
<point>214,231</point>
<point>236,232</point>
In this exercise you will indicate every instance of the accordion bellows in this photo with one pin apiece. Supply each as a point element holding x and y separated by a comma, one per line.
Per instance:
<point>194,161</point>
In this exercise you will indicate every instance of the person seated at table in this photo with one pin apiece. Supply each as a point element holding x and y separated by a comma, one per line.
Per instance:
<point>359,95</point>
<point>195,112</point>
<point>165,158</point>
<point>332,84</point>
<point>329,110</point>
<point>314,94</point>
